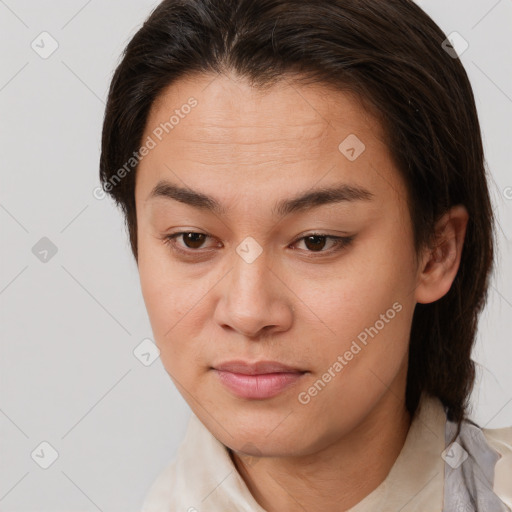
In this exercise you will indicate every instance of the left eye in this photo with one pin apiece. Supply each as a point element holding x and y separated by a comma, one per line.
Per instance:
<point>316,242</point>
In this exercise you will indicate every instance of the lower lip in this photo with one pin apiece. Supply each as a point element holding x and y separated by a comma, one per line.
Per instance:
<point>258,386</point>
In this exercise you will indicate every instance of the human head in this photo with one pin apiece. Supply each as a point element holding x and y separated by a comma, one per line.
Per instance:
<point>390,56</point>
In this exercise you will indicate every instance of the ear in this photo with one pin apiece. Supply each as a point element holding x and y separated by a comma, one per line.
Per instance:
<point>439,264</point>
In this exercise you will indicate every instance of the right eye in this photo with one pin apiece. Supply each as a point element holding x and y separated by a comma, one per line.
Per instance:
<point>192,241</point>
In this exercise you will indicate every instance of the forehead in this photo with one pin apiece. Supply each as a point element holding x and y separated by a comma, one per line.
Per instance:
<point>232,112</point>
<point>217,134</point>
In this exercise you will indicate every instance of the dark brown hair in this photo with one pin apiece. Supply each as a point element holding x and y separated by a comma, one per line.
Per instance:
<point>391,55</point>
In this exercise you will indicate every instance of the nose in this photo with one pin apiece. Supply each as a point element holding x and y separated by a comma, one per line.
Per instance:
<point>255,301</point>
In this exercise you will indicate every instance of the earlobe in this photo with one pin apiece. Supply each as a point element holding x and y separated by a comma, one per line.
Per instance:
<point>441,261</point>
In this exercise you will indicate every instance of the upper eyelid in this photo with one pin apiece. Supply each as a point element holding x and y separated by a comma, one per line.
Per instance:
<point>300,237</point>
<point>338,238</point>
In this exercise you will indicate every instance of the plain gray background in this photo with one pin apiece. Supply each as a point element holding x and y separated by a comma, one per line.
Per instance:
<point>71,319</point>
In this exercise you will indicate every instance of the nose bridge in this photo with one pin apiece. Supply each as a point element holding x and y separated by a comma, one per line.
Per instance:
<point>252,298</point>
<point>250,279</point>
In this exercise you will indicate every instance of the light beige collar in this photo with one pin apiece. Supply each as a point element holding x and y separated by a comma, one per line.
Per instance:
<point>416,480</point>
<point>203,477</point>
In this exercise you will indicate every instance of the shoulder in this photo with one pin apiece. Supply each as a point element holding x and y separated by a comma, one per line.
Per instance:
<point>160,494</point>
<point>500,440</point>
<point>171,485</point>
<point>478,467</point>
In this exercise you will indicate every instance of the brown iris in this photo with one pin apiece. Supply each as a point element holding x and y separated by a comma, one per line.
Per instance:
<point>194,240</point>
<point>318,242</point>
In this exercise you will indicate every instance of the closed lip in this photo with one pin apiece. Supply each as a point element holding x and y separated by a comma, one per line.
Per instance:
<point>256,368</point>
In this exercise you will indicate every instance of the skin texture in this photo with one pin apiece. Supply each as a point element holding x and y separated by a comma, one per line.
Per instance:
<point>248,150</point>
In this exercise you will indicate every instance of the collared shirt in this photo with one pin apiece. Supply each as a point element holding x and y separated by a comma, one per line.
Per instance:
<point>430,474</point>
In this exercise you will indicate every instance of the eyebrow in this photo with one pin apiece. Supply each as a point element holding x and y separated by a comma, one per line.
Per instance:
<point>305,201</point>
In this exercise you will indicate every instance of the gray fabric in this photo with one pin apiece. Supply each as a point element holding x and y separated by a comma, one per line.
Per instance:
<point>469,471</point>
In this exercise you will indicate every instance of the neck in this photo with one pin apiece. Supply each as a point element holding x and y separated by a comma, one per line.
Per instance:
<point>341,474</point>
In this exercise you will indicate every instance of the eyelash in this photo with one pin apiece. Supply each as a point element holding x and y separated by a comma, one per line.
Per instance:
<point>341,242</point>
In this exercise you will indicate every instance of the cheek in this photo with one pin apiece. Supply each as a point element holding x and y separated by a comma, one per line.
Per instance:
<point>372,324</point>
<point>383,271</point>
<point>164,295</point>
<point>173,322</point>
<point>364,310</point>
<point>174,308</point>
<point>351,298</point>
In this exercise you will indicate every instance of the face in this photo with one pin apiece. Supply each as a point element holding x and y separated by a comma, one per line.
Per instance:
<point>273,226</point>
